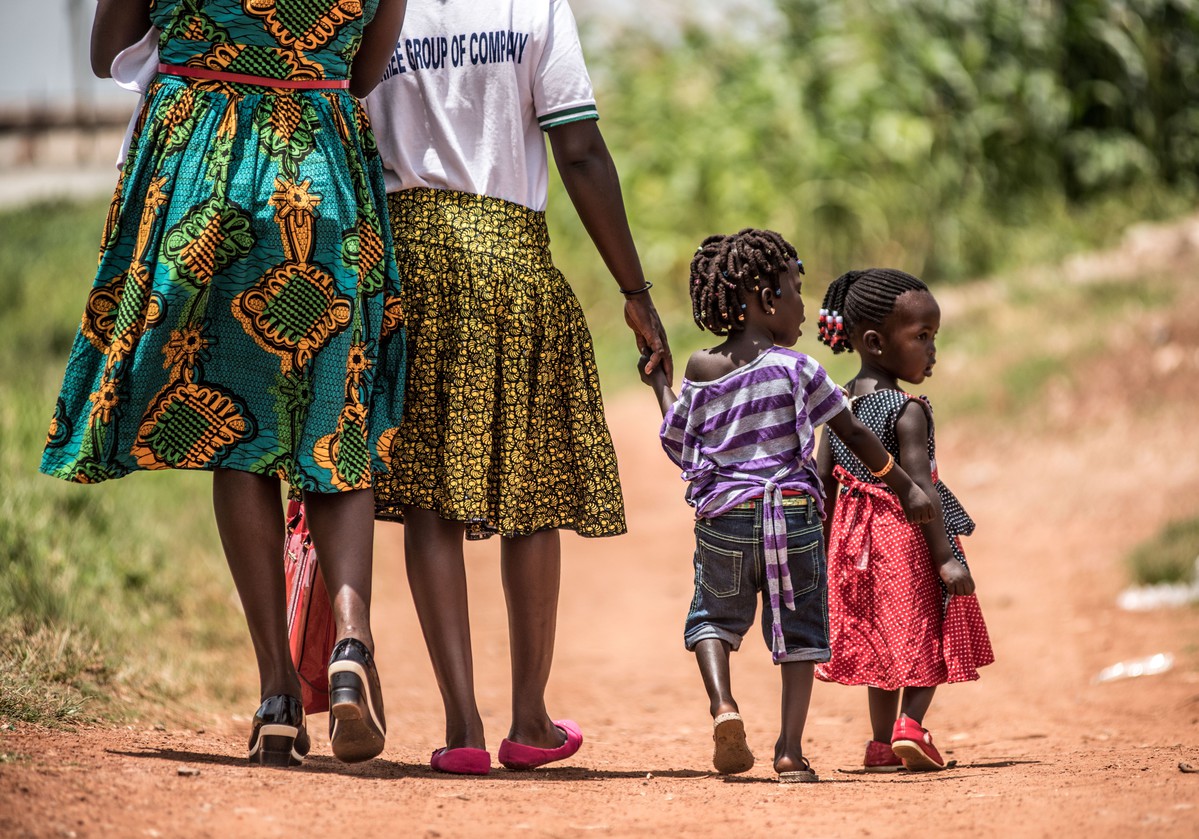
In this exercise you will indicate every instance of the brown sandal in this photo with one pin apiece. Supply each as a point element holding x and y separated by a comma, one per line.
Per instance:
<point>731,755</point>
<point>799,776</point>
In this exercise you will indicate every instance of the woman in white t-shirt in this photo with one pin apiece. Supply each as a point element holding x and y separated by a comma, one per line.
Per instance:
<point>503,429</point>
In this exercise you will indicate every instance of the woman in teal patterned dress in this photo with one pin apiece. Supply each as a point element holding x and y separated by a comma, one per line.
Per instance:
<point>245,306</point>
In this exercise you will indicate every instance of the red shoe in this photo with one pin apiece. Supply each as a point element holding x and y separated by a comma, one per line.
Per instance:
<point>464,761</point>
<point>914,746</point>
<point>881,758</point>
<point>518,756</point>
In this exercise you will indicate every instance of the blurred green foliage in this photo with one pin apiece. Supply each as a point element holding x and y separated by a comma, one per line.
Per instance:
<point>950,139</point>
<point>1170,556</point>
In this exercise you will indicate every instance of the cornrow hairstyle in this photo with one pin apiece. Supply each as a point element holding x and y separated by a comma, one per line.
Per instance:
<point>727,271</point>
<point>861,297</point>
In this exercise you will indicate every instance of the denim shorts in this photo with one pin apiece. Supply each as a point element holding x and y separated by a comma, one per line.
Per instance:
<point>730,574</point>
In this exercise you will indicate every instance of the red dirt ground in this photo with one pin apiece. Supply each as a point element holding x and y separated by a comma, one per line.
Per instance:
<point>1040,749</point>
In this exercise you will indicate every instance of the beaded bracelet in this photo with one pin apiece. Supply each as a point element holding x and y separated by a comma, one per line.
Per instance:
<point>882,472</point>
<point>648,285</point>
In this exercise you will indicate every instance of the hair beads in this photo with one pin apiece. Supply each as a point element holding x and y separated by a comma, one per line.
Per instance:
<point>831,328</point>
<point>727,270</point>
<point>861,297</point>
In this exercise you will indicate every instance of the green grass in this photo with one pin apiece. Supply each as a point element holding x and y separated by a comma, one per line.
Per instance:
<point>51,676</point>
<point>1169,556</point>
<point>104,590</point>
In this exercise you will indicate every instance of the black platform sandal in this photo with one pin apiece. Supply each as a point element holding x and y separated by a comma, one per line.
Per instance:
<point>357,728</point>
<point>279,736</point>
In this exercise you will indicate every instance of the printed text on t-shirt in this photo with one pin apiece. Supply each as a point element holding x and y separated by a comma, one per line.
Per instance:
<point>438,51</point>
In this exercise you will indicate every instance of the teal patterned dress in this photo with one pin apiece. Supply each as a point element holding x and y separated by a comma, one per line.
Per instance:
<point>246,312</point>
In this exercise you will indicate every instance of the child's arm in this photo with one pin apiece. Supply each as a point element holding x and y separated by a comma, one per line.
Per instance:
<point>861,441</point>
<point>118,24</point>
<point>657,379</point>
<point>828,484</point>
<point>593,185</point>
<point>912,430</point>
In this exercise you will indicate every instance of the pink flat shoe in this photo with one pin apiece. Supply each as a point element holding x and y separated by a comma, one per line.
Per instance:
<point>517,756</point>
<point>462,761</point>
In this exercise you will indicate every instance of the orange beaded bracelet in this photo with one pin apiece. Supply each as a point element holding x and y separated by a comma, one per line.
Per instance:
<point>882,472</point>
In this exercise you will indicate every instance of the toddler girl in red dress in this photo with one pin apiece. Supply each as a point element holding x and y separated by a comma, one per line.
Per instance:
<point>903,617</point>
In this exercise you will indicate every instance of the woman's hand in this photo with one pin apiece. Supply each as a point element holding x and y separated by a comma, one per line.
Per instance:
<point>642,318</point>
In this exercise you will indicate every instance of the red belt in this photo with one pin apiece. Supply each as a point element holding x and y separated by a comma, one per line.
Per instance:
<point>261,81</point>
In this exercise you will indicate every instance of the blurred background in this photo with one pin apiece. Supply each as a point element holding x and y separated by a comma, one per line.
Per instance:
<point>1036,162</point>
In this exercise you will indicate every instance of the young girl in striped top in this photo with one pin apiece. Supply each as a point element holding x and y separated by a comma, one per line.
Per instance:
<point>743,431</point>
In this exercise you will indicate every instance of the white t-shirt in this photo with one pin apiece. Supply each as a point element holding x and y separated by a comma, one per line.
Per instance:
<point>468,91</point>
<point>133,69</point>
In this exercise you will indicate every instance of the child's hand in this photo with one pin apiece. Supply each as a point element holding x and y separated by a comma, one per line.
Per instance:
<point>956,577</point>
<point>916,505</point>
<point>657,377</point>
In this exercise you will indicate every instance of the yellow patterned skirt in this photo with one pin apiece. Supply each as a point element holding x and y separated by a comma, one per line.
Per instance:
<point>503,424</point>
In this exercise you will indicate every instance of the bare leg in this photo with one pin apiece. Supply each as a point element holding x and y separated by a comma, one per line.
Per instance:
<point>730,754</point>
<point>916,702</point>
<point>532,568</point>
<point>437,576</point>
<point>797,696</point>
<point>712,656</point>
<point>343,527</point>
<point>884,708</point>
<point>249,517</point>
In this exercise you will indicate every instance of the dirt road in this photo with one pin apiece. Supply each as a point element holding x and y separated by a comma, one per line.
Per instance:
<point>1040,750</point>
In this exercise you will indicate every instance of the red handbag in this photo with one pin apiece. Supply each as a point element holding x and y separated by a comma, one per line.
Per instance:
<point>310,626</point>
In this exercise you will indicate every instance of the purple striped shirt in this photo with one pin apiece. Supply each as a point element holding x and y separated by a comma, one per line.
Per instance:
<point>754,425</point>
<point>752,434</point>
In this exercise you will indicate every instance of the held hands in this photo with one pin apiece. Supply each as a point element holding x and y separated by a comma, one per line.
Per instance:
<point>957,577</point>
<point>656,376</point>
<point>642,318</point>
<point>657,379</point>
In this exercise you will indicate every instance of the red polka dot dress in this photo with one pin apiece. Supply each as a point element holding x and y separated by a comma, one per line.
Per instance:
<point>891,623</point>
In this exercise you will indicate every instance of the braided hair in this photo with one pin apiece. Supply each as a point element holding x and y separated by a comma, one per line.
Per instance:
<point>861,297</point>
<point>727,271</point>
